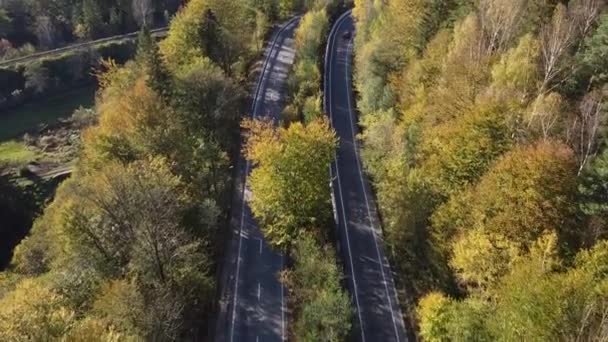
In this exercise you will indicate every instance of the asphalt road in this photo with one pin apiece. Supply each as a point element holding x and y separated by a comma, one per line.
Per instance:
<point>252,300</point>
<point>378,316</point>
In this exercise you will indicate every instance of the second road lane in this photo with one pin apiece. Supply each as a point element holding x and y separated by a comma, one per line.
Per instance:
<point>378,315</point>
<point>252,303</point>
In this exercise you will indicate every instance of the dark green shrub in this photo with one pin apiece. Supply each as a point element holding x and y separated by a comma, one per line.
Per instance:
<point>10,80</point>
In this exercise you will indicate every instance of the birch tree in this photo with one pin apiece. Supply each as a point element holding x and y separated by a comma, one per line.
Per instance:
<point>142,11</point>
<point>556,38</point>
<point>585,128</point>
<point>584,14</point>
<point>500,21</point>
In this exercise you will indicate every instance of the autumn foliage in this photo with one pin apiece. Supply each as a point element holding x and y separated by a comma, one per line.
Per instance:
<point>128,248</point>
<point>483,133</point>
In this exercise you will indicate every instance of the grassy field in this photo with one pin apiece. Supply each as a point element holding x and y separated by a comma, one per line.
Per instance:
<point>15,152</point>
<point>15,122</point>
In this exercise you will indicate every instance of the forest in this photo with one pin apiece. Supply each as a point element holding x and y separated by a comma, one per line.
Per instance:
<point>484,132</point>
<point>130,246</point>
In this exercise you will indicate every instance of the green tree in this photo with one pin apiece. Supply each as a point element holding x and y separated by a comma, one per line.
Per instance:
<point>289,184</point>
<point>309,36</point>
<point>323,308</point>
<point>211,36</point>
<point>591,66</point>
<point>149,57</point>
<point>385,40</point>
<point>184,43</point>
<point>90,25</point>
<point>210,29</point>
<point>445,319</point>
<point>536,306</point>
<point>517,72</point>
<point>433,313</point>
<point>130,221</point>
<point>210,102</point>
<point>91,329</point>
<point>458,152</point>
<point>121,305</point>
<point>304,82</point>
<point>420,76</point>
<point>289,7</point>
<point>268,7</point>
<point>5,23</point>
<point>593,188</point>
<point>531,303</point>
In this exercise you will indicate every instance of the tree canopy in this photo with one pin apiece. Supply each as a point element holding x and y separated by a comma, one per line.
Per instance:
<point>290,179</point>
<point>483,131</point>
<point>128,248</point>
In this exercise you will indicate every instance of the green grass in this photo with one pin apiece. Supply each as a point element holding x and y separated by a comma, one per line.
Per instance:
<point>14,152</point>
<point>31,116</point>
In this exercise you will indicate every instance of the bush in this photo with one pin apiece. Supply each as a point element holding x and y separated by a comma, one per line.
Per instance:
<point>48,141</point>
<point>304,82</point>
<point>10,80</point>
<point>322,307</point>
<point>29,140</point>
<point>83,117</point>
<point>24,171</point>
<point>37,78</point>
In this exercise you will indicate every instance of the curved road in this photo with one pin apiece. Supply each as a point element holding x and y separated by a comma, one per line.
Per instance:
<point>370,281</point>
<point>252,300</point>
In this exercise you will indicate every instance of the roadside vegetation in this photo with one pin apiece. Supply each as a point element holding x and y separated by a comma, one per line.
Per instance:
<point>291,195</point>
<point>484,128</point>
<point>304,92</point>
<point>128,248</point>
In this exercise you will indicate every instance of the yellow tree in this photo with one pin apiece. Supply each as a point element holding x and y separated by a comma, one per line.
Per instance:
<point>183,44</point>
<point>525,199</point>
<point>210,28</point>
<point>290,182</point>
<point>33,312</point>
<point>516,74</point>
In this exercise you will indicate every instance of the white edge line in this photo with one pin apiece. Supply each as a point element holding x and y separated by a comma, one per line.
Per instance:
<point>282,303</point>
<point>328,68</point>
<point>259,290</point>
<point>356,148</point>
<point>248,166</point>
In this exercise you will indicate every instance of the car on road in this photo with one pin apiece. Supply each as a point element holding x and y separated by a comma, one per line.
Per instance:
<point>346,35</point>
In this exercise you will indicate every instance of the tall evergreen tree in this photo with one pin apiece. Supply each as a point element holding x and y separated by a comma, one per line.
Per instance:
<point>211,37</point>
<point>148,56</point>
